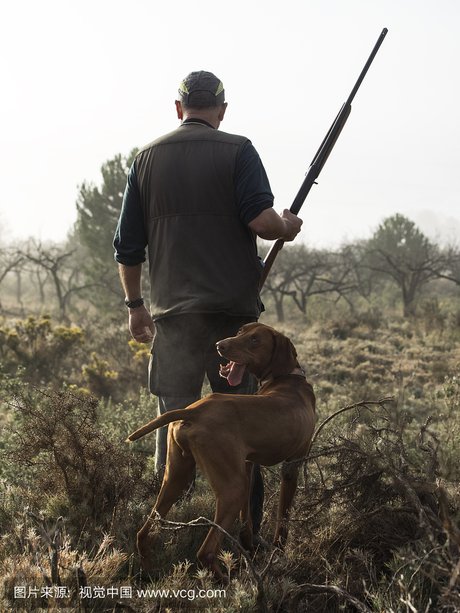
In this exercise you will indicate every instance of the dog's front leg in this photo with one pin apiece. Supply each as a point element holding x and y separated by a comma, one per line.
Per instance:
<point>289,478</point>
<point>246,532</point>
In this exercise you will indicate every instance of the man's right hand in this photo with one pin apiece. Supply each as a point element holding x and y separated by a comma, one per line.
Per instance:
<point>292,224</point>
<point>141,325</point>
<point>271,226</point>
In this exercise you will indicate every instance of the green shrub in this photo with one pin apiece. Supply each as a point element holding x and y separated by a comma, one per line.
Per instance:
<point>44,351</point>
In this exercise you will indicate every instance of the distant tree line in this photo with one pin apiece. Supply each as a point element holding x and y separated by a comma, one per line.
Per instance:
<point>65,277</point>
<point>398,253</point>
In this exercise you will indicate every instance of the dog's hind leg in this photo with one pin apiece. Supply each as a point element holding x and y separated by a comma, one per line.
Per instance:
<point>289,478</point>
<point>180,470</point>
<point>231,490</point>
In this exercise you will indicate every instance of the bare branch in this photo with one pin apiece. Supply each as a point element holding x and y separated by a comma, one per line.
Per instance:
<point>338,591</point>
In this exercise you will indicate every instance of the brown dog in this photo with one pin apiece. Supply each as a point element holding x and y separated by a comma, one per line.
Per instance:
<point>224,434</point>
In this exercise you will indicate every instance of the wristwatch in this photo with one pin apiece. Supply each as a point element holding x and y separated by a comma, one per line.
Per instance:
<point>134,304</point>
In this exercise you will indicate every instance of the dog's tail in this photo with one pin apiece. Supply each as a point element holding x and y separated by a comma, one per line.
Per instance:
<point>158,422</point>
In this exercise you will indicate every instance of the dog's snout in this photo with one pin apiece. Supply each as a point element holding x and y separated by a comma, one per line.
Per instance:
<point>221,346</point>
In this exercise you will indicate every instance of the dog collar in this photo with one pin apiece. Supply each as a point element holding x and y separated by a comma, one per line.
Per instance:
<point>298,372</point>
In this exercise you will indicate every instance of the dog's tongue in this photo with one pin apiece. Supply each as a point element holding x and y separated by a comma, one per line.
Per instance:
<point>235,375</point>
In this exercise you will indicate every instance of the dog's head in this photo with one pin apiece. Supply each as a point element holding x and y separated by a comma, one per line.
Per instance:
<point>264,351</point>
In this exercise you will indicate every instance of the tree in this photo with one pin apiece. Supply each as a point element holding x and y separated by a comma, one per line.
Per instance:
<point>451,271</point>
<point>278,281</point>
<point>353,258</point>
<point>56,260</point>
<point>98,211</point>
<point>399,250</point>
<point>10,261</point>
<point>300,273</point>
<point>320,273</point>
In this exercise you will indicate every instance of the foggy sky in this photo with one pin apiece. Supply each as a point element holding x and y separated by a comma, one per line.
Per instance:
<point>83,81</point>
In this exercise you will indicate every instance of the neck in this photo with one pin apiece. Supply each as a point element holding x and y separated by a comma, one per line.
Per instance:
<point>209,118</point>
<point>202,122</point>
<point>212,115</point>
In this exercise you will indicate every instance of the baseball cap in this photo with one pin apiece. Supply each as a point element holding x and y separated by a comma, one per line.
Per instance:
<point>201,89</point>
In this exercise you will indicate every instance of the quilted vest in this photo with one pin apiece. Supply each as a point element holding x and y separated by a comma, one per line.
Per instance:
<point>202,258</point>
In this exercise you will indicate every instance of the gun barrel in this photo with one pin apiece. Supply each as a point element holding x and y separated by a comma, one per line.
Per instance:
<point>321,156</point>
<point>367,65</point>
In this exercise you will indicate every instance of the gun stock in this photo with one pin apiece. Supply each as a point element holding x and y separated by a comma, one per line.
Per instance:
<point>320,157</point>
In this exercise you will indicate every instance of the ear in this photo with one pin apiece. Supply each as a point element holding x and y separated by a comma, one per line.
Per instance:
<point>284,357</point>
<point>179,110</point>
<point>222,110</point>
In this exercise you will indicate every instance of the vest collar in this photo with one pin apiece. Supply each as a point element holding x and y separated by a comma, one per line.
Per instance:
<point>196,120</point>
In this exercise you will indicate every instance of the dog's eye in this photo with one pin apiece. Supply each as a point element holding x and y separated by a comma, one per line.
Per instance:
<point>254,340</point>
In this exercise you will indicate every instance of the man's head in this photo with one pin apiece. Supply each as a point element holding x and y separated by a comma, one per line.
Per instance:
<point>201,90</point>
<point>201,95</point>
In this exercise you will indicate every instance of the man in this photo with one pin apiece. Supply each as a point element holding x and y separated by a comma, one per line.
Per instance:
<point>196,197</point>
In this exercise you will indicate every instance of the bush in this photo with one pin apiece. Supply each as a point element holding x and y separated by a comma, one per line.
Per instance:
<point>59,453</point>
<point>45,352</point>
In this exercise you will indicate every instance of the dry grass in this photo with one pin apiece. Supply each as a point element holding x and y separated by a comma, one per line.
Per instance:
<point>374,524</point>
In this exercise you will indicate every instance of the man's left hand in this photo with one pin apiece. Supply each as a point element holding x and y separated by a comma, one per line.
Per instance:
<point>141,325</point>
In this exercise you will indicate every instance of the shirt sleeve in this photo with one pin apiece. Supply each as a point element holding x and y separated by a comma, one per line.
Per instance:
<point>252,188</point>
<point>130,238</point>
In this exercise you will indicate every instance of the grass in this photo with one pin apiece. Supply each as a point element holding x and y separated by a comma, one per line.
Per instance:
<point>374,522</point>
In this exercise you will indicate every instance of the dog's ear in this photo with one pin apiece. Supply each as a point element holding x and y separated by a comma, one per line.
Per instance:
<point>284,357</point>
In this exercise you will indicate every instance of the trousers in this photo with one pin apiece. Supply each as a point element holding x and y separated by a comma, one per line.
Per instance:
<point>183,355</point>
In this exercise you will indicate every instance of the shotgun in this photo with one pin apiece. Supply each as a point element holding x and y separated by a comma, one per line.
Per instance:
<point>320,158</point>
